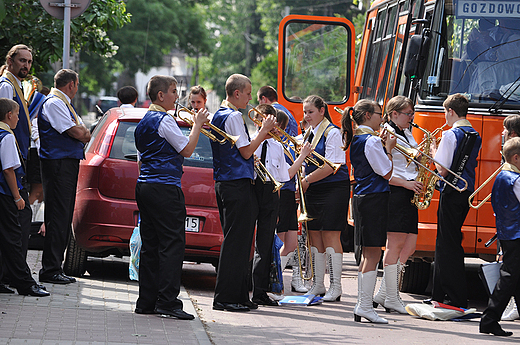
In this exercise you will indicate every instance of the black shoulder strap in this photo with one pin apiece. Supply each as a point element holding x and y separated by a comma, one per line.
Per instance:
<point>462,155</point>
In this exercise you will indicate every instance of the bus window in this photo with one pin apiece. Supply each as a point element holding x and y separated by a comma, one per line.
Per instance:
<point>475,50</point>
<point>317,61</point>
<point>395,59</point>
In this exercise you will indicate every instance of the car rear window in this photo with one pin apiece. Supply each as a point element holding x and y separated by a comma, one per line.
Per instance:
<point>123,147</point>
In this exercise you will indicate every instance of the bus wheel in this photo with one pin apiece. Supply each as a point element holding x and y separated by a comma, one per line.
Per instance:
<point>416,277</point>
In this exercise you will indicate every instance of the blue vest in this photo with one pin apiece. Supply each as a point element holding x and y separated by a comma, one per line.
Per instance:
<point>22,131</point>
<point>340,175</point>
<point>160,163</point>
<point>469,169</point>
<point>4,187</point>
<point>367,181</point>
<point>292,125</point>
<point>291,184</point>
<point>228,163</point>
<point>506,206</point>
<point>54,145</point>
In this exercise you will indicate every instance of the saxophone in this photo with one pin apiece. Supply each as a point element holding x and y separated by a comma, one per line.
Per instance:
<point>422,199</point>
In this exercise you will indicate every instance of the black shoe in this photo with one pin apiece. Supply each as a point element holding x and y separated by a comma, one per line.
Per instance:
<point>229,306</point>
<point>251,305</point>
<point>264,300</point>
<point>176,313</point>
<point>5,289</point>
<point>494,329</point>
<point>72,279</point>
<point>144,311</point>
<point>42,286</point>
<point>58,278</point>
<point>34,290</point>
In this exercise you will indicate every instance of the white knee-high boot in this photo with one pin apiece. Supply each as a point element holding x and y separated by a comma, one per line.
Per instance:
<point>318,264</point>
<point>297,284</point>
<point>511,311</point>
<point>335,262</point>
<point>364,307</point>
<point>380,296</point>
<point>393,300</point>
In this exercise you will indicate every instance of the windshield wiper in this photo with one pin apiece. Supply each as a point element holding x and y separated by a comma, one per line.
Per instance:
<point>500,102</point>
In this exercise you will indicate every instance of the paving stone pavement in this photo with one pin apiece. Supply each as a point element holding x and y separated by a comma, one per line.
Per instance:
<point>98,309</point>
<point>90,311</point>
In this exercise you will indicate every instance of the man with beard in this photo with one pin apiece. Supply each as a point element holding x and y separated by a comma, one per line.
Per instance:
<point>18,62</point>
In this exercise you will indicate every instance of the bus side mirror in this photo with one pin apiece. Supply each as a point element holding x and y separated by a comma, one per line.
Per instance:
<point>415,58</point>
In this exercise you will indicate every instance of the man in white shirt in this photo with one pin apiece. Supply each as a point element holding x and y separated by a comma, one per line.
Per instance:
<point>62,137</point>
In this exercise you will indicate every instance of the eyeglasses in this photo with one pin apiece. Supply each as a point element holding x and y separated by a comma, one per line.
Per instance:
<point>380,114</point>
<point>407,114</point>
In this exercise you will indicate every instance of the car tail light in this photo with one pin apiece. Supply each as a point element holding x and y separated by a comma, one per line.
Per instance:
<point>216,248</point>
<point>106,238</point>
<point>106,144</point>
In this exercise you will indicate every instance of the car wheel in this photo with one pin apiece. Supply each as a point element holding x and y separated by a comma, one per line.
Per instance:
<point>416,277</point>
<point>75,259</point>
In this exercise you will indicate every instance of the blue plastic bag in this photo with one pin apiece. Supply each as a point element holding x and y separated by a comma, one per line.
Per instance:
<point>135,254</point>
<point>276,277</point>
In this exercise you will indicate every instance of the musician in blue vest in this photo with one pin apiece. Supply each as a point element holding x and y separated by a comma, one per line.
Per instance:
<point>62,137</point>
<point>449,278</point>
<point>10,202</point>
<point>505,199</point>
<point>233,171</point>
<point>18,62</point>
<point>327,196</point>
<point>162,148</point>
<point>373,167</point>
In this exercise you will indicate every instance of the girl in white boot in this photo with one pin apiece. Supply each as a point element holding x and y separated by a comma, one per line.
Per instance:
<point>327,196</point>
<point>372,170</point>
<point>403,220</point>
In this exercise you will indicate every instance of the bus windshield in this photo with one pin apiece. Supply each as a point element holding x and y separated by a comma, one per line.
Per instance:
<point>474,50</point>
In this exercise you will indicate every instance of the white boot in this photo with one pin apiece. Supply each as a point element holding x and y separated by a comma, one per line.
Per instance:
<point>511,311</point>
<point>283,261</point>
<point>393,300</point>
<point>364,307</point>
<point>379,298</point>
<point>318,265</point>
<point>335,263</point>
<point>297,284</point>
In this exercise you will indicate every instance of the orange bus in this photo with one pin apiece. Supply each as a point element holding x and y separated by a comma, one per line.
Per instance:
<point>425,50</point>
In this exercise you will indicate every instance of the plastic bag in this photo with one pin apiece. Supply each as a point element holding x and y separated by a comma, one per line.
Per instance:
<point>275,276</point>
<point>135,254</point>
<point>427,311</point>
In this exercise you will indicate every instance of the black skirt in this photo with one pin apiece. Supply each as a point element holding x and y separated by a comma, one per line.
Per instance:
<point>370,219</point>
<point>327,204</point>
<point>287,215</point>
<point>403,216</point>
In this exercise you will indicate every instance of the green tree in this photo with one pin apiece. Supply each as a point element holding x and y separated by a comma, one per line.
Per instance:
<point>27,22</point>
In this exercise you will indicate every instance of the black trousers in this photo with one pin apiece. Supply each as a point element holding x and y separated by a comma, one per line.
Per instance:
<point>11,245</point>
<point>163,213</point>
<point>265,227</point>
<point>59,178</point>
<point>238,211</point>
<point>449,277</point>
<point>508,284</point>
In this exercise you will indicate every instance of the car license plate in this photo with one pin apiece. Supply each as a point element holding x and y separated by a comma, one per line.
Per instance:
<point>192,224</point>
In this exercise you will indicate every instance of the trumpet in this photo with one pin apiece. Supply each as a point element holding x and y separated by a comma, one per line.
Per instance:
<point>412,153</point>
<point>264,175</point>
<point>480,204</point>
<point>226,137</point>
<point>290,140</point>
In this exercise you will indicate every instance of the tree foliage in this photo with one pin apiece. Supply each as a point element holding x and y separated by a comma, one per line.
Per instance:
<point>27,22</point>
<point>157,27</point>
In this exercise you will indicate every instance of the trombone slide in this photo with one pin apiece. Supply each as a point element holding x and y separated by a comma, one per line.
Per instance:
<point>480,204</point>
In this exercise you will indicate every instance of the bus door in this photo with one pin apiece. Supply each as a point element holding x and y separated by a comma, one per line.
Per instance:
<point>316,57</point>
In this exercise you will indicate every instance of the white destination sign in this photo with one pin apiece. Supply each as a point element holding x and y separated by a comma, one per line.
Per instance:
<point>502,9</point>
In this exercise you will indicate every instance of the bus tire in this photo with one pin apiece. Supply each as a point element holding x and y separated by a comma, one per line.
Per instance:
<point>416,277</point>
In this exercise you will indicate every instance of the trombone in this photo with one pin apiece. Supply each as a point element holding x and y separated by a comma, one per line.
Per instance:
<point>227,137</point>
<point>297,145</point>
<point>411,154</point>
<point>264,175</point>
<point>480,204</point>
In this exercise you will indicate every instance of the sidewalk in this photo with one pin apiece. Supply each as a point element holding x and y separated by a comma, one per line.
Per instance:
<point>98,309</point>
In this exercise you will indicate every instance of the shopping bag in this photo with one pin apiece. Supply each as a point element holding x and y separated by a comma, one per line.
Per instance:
<point>135,253</point>
<point>275,276</point>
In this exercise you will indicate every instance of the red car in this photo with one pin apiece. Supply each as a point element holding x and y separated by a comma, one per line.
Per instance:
<point>106,211</point>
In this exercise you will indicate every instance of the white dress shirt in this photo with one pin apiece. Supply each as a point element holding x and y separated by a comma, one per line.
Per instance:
<point>56,112</point>
<point>333,144</point>
<point>275,161</point>
<point>376,155</point>
<point>9,153</point>
<point>402,171</point>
